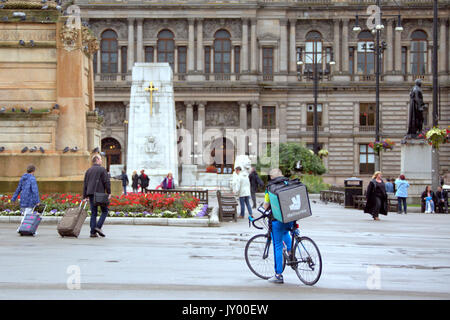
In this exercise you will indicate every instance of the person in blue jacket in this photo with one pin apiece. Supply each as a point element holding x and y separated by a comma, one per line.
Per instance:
<point>401,186</point>
<point>28,190</point>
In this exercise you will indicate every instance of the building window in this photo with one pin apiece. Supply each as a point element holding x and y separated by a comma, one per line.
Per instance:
<point>182,52</point>
<point>124,59</point>
<point>328,54</point>
<point>166,47</point>
<point>207,59</point>
<point>268,61</point>
<point>351,60</point>
<point>269,117</point>
<point>418,52</point>
<point>366,54</point>
<point>237,59</point>
<point>404,55</point>
<point>222,52</point>
<point>299,58</point>
<point>366,116</point>
<point>109,52</point>
<point>366,159</point>
<point>149,54</point>
<point>310,114</point>
<point>94,62</point>
<point>313,51</point>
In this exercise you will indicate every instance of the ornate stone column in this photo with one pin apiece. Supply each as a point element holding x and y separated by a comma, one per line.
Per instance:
<point>336,45</point>
<point>255,115</point>
<point>345,55</point>
<point>283,52</point>
<point>282,112</point>
<point>130,51</point>
<point>200,67</point>
<point>292,46</point>
<point>243,115</point>
<point>190,53</point>
<point>140,41</point>
<point>190,122</point>
<point>390,46</point>
<point>254,49</point>
<point>398,52</point>
<point>244,60</point>
<point>442,66</point>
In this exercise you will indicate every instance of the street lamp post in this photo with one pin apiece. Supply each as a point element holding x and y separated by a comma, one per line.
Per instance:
<point>434,152</point>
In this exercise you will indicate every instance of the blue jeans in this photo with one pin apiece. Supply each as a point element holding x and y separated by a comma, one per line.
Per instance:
<point>124,190</point>
<point>94,212</point>
<point>280,234</point>
<point>429,206</point>
<point>245,201</point>
<point>400,201</point>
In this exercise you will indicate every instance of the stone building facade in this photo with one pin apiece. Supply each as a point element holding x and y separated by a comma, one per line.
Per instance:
<point>235,66</point>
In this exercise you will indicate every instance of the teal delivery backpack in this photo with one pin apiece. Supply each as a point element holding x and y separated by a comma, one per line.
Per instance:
<point>289,199</point>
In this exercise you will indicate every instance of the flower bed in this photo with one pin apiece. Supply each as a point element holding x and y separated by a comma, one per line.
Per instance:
<point>132,205</point>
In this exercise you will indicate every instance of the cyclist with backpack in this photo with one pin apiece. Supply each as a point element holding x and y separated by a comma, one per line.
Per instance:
<point>280,230</point>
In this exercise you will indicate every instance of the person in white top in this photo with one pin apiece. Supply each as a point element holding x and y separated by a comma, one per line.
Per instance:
<point>241,188</point>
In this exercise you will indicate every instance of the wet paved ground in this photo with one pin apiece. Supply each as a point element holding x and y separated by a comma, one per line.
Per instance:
<point>399,257</point>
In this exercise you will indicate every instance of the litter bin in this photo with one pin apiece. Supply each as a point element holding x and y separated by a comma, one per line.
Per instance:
<point>352,187</point>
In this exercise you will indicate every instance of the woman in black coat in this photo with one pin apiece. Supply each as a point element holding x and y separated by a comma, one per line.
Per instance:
<point>428,193</point>
<point>135,182</point>
<point>376,197</point>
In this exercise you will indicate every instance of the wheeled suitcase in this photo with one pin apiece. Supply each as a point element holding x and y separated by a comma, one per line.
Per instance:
<point>30,222</point>
<point>72,221</point>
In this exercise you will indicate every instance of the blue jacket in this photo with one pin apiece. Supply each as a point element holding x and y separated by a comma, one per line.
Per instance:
<point>28,190</point>
<point>402,188</point>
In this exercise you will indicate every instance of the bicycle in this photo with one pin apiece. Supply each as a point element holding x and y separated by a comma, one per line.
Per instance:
<point>304,259</point>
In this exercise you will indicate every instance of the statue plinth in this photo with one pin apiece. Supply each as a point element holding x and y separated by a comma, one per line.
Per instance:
<point>416,164</point>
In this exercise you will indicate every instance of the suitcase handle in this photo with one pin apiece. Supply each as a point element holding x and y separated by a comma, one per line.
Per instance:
<point>41,213</point>
<point>85,203</point>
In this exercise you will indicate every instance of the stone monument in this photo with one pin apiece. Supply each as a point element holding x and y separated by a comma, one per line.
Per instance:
<point>152,135</point>
<point>415,152</point>
<point>46,96</point>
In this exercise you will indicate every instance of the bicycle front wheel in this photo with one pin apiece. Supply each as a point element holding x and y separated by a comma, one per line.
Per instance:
<point>259,256</point>
<point>308,261</point>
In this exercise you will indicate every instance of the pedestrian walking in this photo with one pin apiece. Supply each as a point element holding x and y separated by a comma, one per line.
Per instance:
<point>441,200</point>
<point>145,180</point>
<point>96,180</point>
<point>135,182</point>
<point>168,182</point>
<point>402,193</point>
<point>255,182</point>
<point>28,191</point>
<point>376,197</point>
<point>125,181</point>
<point>241,187</point>
<point>428,200</point>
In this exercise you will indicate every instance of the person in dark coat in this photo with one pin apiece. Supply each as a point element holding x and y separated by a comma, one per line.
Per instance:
<point>135,182</point>
<point>376,197</point>
<point>125,181</point>
<point>428,196</point>
<point>441,200</point>
<point>255,182</point>
<point>145,180</point>
<point>96,179</point>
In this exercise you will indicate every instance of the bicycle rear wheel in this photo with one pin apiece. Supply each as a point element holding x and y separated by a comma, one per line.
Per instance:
<point>259,256</point>
<point>308,265</point>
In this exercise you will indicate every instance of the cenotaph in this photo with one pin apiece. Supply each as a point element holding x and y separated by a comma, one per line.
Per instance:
<point>152,135</point>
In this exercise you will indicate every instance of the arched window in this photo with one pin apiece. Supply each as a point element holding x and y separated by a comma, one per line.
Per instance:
<point>313,51</point>
<point>418,52</point>
<point>222,52</point>
<point>166,47</point>
<point>366,53</point>
<point>109,52</point>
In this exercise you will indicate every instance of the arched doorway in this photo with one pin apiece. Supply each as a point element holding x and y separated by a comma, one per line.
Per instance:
<point>223,154</point>
<point>113,151</point>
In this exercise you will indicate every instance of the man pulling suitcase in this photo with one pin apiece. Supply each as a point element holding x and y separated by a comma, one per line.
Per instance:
<point>97,188</point>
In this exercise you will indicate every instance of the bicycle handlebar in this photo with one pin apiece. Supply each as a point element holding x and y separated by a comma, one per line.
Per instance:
<point>252,220</point>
